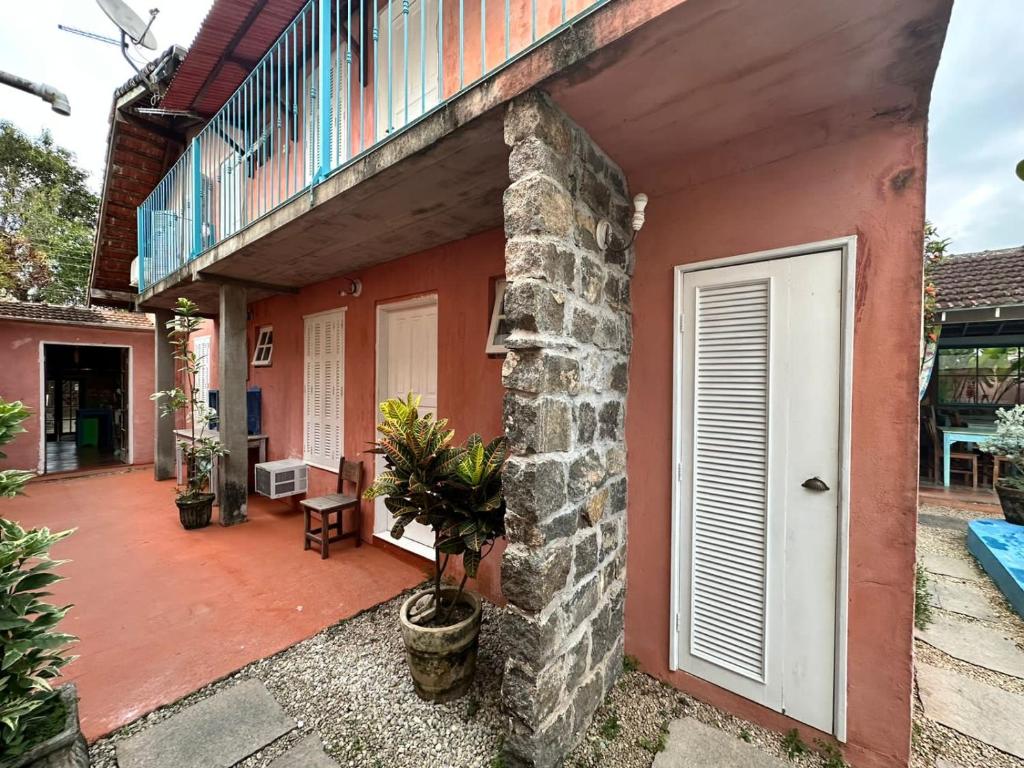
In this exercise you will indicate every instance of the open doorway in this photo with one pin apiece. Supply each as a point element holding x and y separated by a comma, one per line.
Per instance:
<point>86,400</point>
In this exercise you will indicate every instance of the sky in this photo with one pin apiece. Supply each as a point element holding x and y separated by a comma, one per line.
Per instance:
<point>976,135</point>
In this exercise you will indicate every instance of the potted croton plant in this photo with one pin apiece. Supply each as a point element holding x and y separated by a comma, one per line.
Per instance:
<point>200,450</point>
<point>1008,441</point>
<point>456,490</point>
<point>38,724</point>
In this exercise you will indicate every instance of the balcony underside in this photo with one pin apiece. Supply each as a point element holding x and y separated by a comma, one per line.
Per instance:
<point>705,90</point>
<point>430,185</point>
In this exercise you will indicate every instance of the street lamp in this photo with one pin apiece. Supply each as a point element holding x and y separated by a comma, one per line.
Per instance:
<point>56,99</point>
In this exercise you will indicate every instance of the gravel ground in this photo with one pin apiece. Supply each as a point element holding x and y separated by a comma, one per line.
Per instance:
<point>932,741</point>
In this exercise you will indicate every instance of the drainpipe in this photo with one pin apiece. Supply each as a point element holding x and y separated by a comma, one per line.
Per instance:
<point>47,93</point>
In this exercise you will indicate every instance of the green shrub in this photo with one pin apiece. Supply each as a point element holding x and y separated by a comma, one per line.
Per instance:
<point>922,598</point>
<point>793,745</point>
<point>12,481</point>
<point>33,650</point>
<point>1008,441</point>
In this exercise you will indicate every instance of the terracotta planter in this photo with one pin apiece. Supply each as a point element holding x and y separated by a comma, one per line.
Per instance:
<point>65,750</point>
<point>1012,502</point>
<point>442,659</point>
<point>195,511</point>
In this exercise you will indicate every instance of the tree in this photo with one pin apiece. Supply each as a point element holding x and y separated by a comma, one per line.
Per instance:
<point>47,219</point>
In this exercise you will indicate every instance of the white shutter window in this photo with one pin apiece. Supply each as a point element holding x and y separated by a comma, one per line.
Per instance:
<point>201,348</point>
<point>324,404</point>
<point>730,486</point>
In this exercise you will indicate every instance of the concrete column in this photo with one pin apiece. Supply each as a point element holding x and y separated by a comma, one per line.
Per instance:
<point>565,377</point>
<point>163,453</point>
<point>233,364</point>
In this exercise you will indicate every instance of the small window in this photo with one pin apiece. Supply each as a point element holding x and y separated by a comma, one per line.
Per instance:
<point>264,347</point>
<point>499,329</point>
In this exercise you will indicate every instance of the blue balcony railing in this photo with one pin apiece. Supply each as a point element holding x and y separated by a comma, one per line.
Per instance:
<point>343,78</point>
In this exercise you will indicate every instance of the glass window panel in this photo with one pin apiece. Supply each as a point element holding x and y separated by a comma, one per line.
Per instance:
<point>958,375</point>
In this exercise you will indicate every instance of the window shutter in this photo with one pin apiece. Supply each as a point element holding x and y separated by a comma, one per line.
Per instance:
<point>201,347</point>
<point>730,487</point>
<point>324,398</point>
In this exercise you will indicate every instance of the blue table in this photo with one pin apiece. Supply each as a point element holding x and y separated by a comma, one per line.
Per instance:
<point>952,435</point>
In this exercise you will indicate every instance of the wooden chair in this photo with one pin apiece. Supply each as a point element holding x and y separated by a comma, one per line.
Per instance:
<point>971,459</point>
<point>329,510</point>
<point>997,462</point>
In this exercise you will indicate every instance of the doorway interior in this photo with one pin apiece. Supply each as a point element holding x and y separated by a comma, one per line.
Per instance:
<point>86,390</point>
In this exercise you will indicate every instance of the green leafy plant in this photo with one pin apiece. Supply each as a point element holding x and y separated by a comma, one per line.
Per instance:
<point>656,745</point>
<point>746,735</point>
<point>831,755</point>
<point>12,415</point>
<point>201,450</point>
<point>922,598</point>
<point>630,663</point>
<point>793,745</point>
<point>1009,441</point>
<point>33,650</point>
<point>456,490</point>
<point>610,728</point>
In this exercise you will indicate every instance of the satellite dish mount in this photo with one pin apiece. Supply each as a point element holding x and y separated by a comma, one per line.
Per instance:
<point>134,31</point>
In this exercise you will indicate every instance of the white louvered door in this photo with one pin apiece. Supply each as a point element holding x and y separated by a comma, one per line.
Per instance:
<point>758,416</point>
<point>324,400</point>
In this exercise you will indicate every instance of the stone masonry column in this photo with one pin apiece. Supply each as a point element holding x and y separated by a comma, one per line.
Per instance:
<point>164,465</point>
<point>565,376</point>
<point>233,365</point>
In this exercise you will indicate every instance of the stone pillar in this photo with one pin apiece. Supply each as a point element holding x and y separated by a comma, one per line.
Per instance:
<point>233,365</point>
<point>565,376</point>
<point>164,466</point>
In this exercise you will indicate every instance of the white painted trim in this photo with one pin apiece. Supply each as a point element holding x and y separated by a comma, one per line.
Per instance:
<point>41,467</point>
<point>493,348</point>
<point>407,544</point>
<point>848,248</point>
<point>423,300</point>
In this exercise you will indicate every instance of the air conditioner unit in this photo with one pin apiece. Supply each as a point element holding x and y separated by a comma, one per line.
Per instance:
<point>133,273</point>
<point>277,479</point>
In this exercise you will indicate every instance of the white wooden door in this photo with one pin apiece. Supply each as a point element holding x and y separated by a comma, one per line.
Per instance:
<point>324,398</point>
<point>407,338</point>
<point>758,419</point>
<point>414,83</point>
<point>201,348</point>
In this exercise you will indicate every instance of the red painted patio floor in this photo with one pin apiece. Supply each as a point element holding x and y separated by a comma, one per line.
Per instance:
<point>161,611</point>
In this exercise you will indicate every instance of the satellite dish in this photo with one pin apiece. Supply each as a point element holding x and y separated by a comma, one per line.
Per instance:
<point>130,23</point>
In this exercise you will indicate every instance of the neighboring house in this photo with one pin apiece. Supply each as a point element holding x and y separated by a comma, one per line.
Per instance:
<point>86,374</point>
<point>366,205</point>
<point>980,306</point>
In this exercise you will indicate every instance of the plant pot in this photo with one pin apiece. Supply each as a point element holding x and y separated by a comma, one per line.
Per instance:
<point>65,750</point>
<point>1012,502</point>
<point>442,659</point>
<point>195,511</point>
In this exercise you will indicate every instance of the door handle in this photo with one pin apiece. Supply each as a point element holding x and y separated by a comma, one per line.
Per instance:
<point>814,484</point>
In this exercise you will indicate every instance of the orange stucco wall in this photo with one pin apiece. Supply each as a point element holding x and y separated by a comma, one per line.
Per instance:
<point>469,381</point>
<point>871,187</point>
<point>19,380</point>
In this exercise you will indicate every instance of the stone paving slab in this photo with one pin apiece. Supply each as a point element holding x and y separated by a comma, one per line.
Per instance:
<point>950,566</point>
<point>975,644</point>
<point>308,752</point>
<point>942,521</point>
<point>216,732</point>
<point>961,598</point>
<point>981,711</point>
<point>691,744</point>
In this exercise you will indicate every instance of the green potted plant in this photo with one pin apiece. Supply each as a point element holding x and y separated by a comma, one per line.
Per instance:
<point>1008,441</point>
<point>39,726</point>
<point>11,417</point>
<point>195,502</point>
<point>456,490</point>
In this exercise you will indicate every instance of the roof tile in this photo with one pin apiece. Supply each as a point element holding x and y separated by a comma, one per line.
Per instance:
<point>982,279</point>
<point>27,311</point>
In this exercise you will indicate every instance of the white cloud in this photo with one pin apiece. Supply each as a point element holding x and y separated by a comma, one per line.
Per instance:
<point>32,46</point>
<point>976,134</point>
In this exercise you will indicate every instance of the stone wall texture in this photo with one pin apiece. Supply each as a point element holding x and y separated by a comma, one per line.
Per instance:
<point>565,376</point>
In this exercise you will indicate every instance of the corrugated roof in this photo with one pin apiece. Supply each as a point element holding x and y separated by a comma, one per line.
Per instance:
<point>232,39</point>
<point>33,312</point>
<point>981,279</point>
